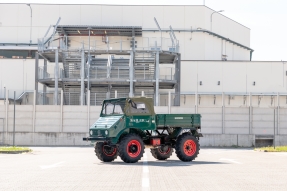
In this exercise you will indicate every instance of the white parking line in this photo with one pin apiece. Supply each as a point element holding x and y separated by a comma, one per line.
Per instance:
<point>145,175</point>
<point>52,166</point>
<point>231,160</point>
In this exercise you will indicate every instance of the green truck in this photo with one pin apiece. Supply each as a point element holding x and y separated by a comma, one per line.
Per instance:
<point>129,125</point>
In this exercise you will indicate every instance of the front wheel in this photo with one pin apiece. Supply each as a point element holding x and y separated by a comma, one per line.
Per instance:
<point>187,147</point>
<point>131,148</point>
<point>105,152</point>
<point>162,153</point>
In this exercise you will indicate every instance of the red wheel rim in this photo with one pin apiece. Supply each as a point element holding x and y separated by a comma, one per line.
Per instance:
<point>134,148</point>
<point>189,147</point>
<point>164,152</point>
<point>112,153</point>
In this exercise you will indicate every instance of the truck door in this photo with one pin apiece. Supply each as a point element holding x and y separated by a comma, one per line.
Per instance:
<point>139,116</point>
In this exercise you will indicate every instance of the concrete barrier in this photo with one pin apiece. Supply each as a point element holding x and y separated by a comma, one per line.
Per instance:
<point>51,125</point>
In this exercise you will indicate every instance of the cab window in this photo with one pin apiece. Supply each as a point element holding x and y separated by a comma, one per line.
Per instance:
<point>138,108</point>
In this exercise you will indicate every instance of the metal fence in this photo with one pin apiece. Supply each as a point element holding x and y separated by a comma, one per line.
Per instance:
<point>106,43</point>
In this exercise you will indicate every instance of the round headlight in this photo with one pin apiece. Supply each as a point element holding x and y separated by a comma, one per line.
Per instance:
<point>106,132</point>
<point>91,132</point>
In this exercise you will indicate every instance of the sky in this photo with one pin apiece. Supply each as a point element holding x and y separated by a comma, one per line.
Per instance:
<point>265,18</point>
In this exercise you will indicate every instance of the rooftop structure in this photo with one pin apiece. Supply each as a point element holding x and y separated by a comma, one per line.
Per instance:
<point>105,59</point>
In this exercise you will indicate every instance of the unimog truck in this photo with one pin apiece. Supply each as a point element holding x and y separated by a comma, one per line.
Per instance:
<point>129,125</point>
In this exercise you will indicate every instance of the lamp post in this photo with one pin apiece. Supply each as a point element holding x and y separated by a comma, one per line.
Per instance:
<point>211,18</point>
<point>30,24</point>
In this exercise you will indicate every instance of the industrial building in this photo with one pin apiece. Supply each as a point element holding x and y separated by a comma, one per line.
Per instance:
<point>190,59</point>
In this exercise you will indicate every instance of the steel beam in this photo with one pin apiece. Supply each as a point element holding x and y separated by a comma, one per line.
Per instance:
<point>157,78</point>
<point>131,73</point>
<point>223,113</point>
<point>82,75</point>
<point>36,74</point>
<point>56,76</point>
<point>44,86</point>
<point>177,78</point>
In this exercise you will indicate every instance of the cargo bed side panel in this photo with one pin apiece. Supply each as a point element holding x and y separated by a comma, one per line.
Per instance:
<point>178,120</point>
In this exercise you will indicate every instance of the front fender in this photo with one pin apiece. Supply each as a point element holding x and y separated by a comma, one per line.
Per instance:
<point>125,131</point>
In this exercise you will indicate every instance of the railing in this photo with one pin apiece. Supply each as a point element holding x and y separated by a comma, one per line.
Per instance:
<point>42,74</point>
<point>47,98</point>
<point>72,98</point>
<point>187,99</point>
<point>107,43</point>
<point>103,72</point>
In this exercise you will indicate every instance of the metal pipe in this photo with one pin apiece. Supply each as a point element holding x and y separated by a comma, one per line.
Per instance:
<point>131,74</point>
<point>56,70</point>
<point>157,79</point>
<point>14,119</point>
<point>30,24</point>
<point>6,114</point>
<point>274,129</point>
<point>82,74</point>
<point>89,59</point>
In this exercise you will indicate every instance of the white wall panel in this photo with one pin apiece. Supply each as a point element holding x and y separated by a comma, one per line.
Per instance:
<point>91,15</point>
<point>70,15</point>
<point>188,76</point>
<point>24,35</point>
<point>209,73</point>
<point>24,15</point>
<point>9,15</point>
<point>193,17</point>
<point>17,75</point>
<point>46,15</point>
<point>9,34</point>
<point>149,13</point>
<point>234,76</point>
<point>133,15</point>
<point>112,15</point>
<point>174,16</point>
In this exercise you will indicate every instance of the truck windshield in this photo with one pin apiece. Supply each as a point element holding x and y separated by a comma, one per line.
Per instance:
<point>113,107</point>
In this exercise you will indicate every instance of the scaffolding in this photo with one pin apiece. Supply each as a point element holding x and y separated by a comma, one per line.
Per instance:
<point>105,59</point>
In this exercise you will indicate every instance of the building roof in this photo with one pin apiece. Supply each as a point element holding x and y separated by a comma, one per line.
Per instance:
<point>83,30</point>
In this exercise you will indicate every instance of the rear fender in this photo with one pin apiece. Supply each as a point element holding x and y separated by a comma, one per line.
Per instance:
<point>180,130</point>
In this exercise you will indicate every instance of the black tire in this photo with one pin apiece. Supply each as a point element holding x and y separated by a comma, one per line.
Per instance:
<point>186,147</point>
<point>162,153</point>
<point>105,153</point>
<point>131,148</point>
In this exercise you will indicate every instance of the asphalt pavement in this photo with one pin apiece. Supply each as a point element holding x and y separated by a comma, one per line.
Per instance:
<point>77,168</point>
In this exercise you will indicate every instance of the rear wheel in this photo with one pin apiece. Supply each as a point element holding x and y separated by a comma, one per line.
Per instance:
<point>131,148</point>
<point>162,153</point>
<point>105,152</point>
<point>187,147</point>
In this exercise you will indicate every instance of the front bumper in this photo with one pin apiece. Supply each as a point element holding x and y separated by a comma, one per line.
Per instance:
<point>96,139</point>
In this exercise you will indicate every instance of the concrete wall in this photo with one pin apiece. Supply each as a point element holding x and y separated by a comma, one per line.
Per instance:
<point>15,25</point>
<point>67,125</point>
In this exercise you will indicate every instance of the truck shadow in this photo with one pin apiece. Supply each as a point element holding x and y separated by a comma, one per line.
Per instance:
<point>167,163</point>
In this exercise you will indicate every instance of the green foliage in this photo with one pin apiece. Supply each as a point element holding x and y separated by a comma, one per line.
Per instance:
<point>15,149</point>
<point>271,149</point>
